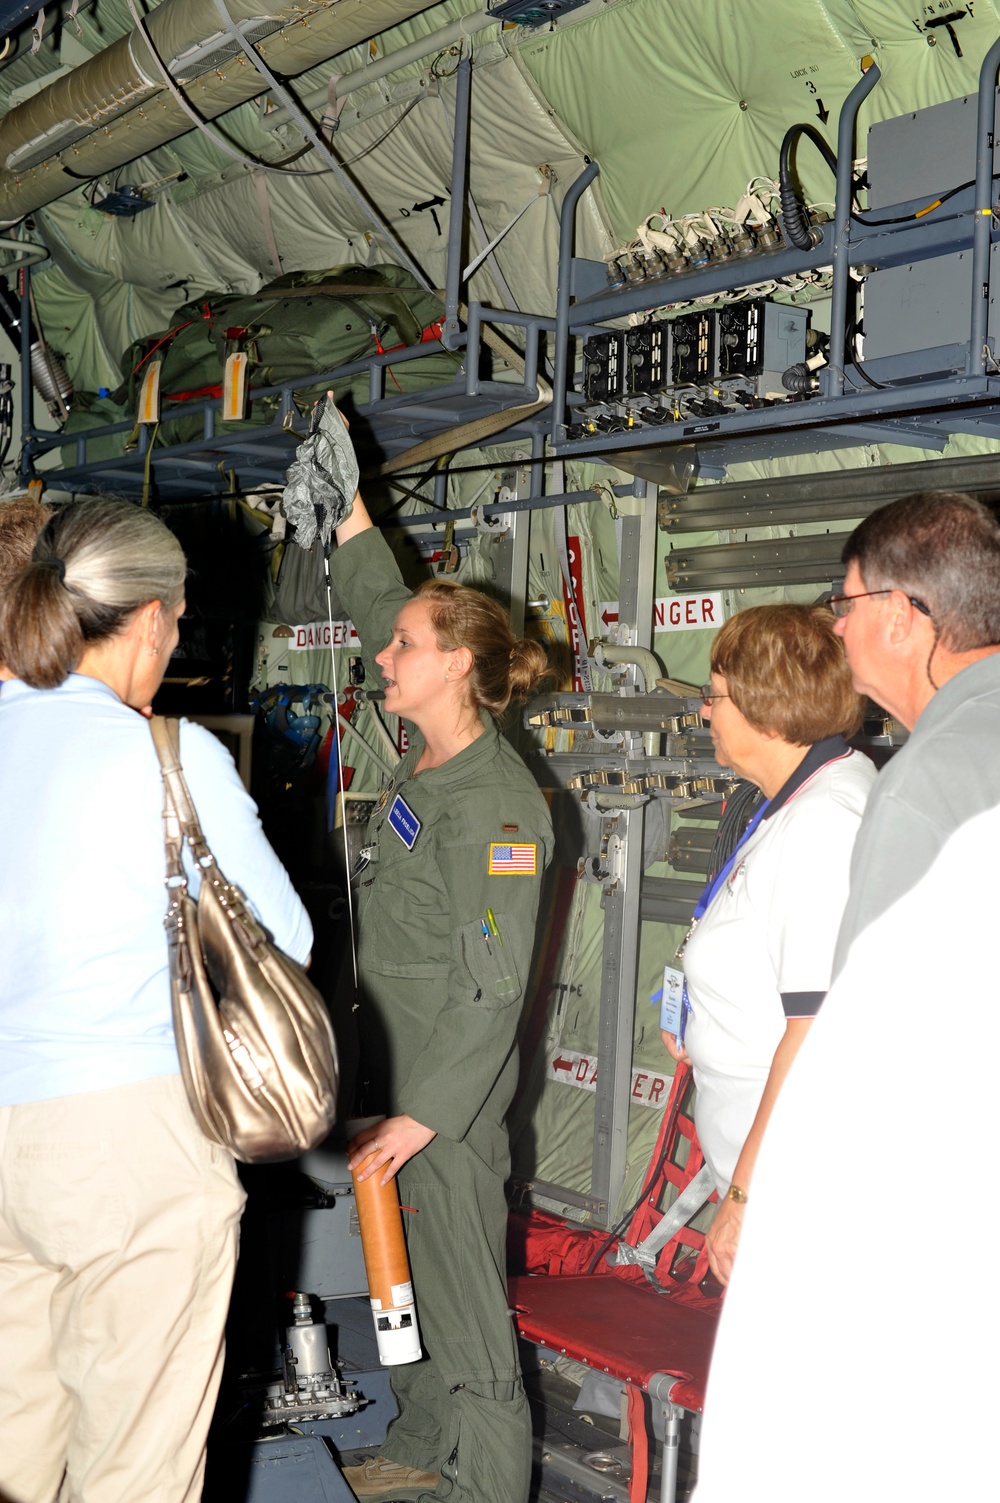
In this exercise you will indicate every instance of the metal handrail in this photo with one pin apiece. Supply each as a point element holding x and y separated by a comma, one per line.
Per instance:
<point>983,233</point>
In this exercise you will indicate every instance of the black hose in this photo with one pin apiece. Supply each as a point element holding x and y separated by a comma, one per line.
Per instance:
<point>794,218</point>
<point>798,378</point>
<point>741,805</point>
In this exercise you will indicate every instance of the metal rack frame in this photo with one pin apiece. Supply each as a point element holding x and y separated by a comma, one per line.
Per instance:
<point>847,411</point>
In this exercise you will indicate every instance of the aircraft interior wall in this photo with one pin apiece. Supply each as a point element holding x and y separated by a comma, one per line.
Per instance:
<point>684,107</point>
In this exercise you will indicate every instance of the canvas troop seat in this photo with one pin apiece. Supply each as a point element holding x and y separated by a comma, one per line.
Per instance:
<point>647,1319</point>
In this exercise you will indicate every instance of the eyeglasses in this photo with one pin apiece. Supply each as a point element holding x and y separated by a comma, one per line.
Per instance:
<point>842,605</point>
<point>710,695</point>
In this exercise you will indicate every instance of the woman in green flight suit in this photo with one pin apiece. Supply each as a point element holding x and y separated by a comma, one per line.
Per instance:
<point>448,903</point>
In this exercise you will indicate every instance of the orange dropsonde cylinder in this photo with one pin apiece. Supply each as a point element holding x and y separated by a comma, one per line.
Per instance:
<point>389,1286</point>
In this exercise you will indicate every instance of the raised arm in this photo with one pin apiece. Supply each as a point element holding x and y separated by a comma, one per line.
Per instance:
<point>357,521</point>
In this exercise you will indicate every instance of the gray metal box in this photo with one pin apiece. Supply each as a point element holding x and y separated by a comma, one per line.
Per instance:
<point>784,345</point>
<point>918,307</point>
<point>924,154</point>
<point>919,315</point>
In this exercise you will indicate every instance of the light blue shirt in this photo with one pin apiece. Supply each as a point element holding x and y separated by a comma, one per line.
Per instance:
<point>84,979</point>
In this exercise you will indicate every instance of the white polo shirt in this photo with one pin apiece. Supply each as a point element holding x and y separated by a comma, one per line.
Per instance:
<point>763,951</point>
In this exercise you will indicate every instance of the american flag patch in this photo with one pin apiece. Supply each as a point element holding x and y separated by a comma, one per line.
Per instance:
<point>513,860</point>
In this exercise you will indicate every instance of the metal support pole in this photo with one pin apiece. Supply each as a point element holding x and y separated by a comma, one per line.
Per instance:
<point>623,895</point>
<point>472,338</point>
<point>671,1449</point>
<point>842,226</point>
<point>616,1020</point>
<point>659,1387</point>
<point>983,231</point>
<point>507,554</point>
<point>27,384</point>
<point>456,216</point>
<point>566,226</point>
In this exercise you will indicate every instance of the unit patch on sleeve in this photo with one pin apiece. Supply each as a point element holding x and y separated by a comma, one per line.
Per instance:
<point>403,820</point>
<point>513,860</point>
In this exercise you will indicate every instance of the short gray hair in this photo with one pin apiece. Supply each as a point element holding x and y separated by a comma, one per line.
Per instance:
<point>943,547</point>
<point>96,562</point>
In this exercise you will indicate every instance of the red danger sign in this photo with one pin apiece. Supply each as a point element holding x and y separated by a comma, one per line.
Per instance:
<point>567,1066</point>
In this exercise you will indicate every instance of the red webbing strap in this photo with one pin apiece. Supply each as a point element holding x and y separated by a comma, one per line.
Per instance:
<point>646,1215</point>
<point>638,1444</point>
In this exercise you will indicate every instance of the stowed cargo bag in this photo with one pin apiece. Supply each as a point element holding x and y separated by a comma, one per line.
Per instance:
<point>295,327</point>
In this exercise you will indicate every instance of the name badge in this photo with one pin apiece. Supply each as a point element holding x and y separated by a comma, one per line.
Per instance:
<point>671,1000</point>
<point>403,820</point>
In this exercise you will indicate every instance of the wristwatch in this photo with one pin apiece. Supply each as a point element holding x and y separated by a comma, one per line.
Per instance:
<point>735,1193</point>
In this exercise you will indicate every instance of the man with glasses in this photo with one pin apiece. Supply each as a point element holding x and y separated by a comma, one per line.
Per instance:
<point>920,620</point>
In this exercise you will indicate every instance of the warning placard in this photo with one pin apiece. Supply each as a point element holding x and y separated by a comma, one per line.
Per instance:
<point>677,612</point>
<point>649,1087</point>
<point>323,634</point>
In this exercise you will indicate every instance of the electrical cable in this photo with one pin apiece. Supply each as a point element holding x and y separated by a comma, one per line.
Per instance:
<point>243,157</point>
<point>794,218</point>
<point>349,161</point>
<point>875,224</point>
<point>859,367</point>
<point>621,1225</point>
<point>469,469</point>
<point>740,806</point>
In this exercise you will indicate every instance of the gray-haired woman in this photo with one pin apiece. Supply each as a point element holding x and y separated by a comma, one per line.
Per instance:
<point>118,1220</point>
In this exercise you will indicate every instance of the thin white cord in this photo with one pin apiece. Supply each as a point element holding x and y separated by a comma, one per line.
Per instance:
<point>340,774</point>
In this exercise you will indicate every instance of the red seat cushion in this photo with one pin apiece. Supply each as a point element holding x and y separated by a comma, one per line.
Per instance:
<point>626,1330</point>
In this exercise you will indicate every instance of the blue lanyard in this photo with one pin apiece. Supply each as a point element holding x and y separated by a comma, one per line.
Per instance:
<point>723,872</point>
<point>709,893</point>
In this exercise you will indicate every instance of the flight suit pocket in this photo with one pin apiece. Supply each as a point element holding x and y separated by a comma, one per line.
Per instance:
<point>490,964</point>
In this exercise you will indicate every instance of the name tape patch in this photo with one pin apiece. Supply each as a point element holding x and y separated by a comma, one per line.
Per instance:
<point>513,860</point>
<point>403,820</point>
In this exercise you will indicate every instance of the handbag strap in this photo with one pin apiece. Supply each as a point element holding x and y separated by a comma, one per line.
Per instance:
<point>180,818</point>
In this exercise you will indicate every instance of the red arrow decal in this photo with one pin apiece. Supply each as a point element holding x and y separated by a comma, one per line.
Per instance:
<point>562,1064</point>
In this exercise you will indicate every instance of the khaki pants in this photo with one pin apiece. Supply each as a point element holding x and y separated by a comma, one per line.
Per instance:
<point>119,1227</point>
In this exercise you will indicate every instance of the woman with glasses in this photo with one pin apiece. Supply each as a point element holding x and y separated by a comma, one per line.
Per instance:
<point>757,960</point>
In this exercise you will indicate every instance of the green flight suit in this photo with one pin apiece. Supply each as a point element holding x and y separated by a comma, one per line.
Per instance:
<point>441,1006</point>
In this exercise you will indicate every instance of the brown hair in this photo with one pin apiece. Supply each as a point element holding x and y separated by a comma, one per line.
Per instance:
<point>504,667</point>
<point>95,563</point>
<point>944,548</point>
<point>785,672</point>
<point>21,520</point>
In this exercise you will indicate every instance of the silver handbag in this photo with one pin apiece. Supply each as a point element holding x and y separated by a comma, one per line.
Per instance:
<point>256,1047</point>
